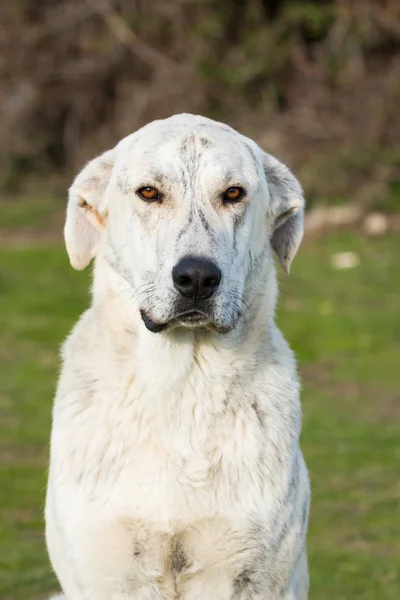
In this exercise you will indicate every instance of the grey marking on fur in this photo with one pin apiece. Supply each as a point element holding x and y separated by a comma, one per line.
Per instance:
<point>293,485</point>
<point>178,556</point>
<point>238,218</point>
<point>259,414</point>
<point>246,581</point>
<point>157,175</point>
<point>206,224</point>
<point>123,184</point>
<point>205,142</point>
<point>281,537</point>
<point>249,582</point>
<point>237,221</point>
<point>254,158</point>
<point>204,221</point>
<point>188,149</point>
<point>186,226</point>
<point>184,147</point>
<point>304,515</point>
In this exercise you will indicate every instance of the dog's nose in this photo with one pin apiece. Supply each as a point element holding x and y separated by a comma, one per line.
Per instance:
<point>196,277</point>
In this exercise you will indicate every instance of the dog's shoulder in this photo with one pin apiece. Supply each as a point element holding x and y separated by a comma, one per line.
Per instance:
<point>81,341</point>
<point>82,355</point>
<point>276,368</point>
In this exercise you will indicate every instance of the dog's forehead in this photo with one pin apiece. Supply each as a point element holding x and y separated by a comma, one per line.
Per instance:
<point>167,145</point>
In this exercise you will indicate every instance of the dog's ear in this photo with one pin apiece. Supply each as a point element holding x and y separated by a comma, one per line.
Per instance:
<point>87,211</point>
<point>286,212</point>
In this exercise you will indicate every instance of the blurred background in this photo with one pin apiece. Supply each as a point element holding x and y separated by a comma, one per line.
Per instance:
<point>317,83</point>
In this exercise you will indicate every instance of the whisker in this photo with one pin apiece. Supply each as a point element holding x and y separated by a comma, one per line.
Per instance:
<point>115,251</point>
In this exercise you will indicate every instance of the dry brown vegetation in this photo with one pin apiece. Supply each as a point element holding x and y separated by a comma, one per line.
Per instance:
<point>317,82</point>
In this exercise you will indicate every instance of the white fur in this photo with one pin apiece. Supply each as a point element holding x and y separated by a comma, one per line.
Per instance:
<point>175,463</point>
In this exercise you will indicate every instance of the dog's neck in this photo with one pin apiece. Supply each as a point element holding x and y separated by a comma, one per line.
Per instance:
<point>177,349</point>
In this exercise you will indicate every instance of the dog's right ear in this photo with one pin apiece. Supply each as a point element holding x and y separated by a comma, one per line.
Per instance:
<point>87,210</point>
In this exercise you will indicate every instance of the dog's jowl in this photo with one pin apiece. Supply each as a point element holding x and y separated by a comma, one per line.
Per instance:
<point>175,470</point>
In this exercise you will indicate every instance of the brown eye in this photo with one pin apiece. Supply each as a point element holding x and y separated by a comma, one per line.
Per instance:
<point>149,193</point>
<point>233,194</point>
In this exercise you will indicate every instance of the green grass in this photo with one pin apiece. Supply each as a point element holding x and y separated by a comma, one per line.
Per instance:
<point>345,329</point>
<point>23,217</point>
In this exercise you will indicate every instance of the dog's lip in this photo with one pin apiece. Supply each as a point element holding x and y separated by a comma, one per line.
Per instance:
<point>192,315</point>
<point>151,325</point>
<point>189,317</point>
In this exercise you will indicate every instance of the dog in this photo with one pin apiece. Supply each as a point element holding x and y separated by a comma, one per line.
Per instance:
<point>175,465</point>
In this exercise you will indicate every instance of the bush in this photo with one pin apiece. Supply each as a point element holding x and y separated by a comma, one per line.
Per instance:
<point>316,82</point>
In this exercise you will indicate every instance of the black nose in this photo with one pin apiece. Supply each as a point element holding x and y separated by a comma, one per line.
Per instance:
<point>196,277</point>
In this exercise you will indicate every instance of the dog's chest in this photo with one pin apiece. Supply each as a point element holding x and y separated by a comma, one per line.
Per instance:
<point>162,456</point>
<point>164,495</point>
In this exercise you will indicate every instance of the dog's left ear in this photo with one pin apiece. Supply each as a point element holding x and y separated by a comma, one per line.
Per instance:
<point>286,211</point>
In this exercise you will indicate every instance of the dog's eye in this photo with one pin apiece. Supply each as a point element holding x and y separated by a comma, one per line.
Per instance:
<point>233,194</point>
<point>149,193</point>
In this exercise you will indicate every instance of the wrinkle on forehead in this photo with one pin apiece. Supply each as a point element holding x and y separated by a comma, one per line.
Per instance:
<point>181,155</point>
<point>200,154</point>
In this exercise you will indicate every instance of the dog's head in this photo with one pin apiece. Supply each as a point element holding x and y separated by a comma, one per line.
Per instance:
<point>187,211</point>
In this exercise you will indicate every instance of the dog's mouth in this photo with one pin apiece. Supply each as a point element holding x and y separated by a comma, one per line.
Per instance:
<point>192,319</point>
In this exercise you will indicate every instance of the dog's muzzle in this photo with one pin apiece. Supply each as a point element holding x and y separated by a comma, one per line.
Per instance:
<point>196,279</point>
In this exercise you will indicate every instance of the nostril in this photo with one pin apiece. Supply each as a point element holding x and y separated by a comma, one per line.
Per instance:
<point>210,282</point>
<point>183,280</point>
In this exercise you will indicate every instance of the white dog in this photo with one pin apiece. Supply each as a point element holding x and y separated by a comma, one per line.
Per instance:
<point>176,471</point>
